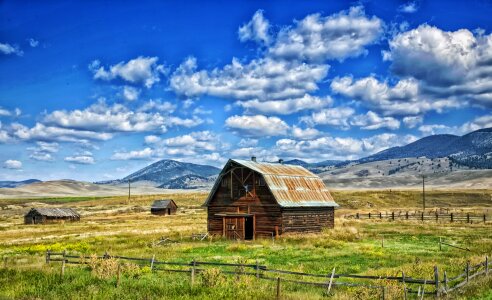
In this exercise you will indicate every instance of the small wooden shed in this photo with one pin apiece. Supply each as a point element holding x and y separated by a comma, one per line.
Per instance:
<point>251,199</point>
<point>43,215</point>
<point>164,207</point>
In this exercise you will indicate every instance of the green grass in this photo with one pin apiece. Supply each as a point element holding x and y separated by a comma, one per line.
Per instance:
<point>354,246</point>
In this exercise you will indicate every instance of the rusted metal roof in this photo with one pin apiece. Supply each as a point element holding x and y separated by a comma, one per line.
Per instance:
<point>55,212</point>
<point>162,203</point>
<point>291,185</point>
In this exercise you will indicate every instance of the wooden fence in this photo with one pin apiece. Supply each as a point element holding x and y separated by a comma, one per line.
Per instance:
<point>326,281</point>
<point>421,216</point>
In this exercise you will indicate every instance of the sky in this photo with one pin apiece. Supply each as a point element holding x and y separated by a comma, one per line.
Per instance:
<point>94,90</point>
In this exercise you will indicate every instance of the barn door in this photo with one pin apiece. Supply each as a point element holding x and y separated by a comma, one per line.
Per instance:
<point>234,228</point>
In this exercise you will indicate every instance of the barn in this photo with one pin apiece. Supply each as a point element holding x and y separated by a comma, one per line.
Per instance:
<point>251,199</point>
<point>50,215</point>
<point>164,207</point>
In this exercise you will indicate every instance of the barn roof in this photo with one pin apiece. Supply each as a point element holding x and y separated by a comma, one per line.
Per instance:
<point>162,203</point>
<point>55,212</point>
<point>291,185</point>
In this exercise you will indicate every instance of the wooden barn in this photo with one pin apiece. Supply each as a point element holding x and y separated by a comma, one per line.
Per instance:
<point>164,207</point>
<point>50,215</point>
<point>251,199</point>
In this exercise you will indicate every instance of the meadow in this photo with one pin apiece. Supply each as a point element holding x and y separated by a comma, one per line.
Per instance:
<point>121,227</point>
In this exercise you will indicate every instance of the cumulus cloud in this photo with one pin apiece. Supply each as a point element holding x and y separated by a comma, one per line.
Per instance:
<point>43,151</point>
<point>409,8</point>
<point>318,38</point>
<point>80,159</point>
<point>257,125</point>
<point>305,134</point>
<point>130,93</point>
<point>41,132</point>
<point>413,121</point>
<point>287,106</point>
<point>404,98</point>
<point>255,30</point>
<point>371,121</point>
<point>7,113</point>
<point>102,117</point>
<point>146,153</point>
<point>262,79</point>
<point>447,64</point>
<point>328,147</point>
<point>33,43</point>
<point>12,164</point>
<point>140,70</point>
<point>7,49</point>
<point>337,116</point>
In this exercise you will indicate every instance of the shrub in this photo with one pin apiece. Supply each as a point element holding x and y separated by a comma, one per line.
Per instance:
<point>212,277</point>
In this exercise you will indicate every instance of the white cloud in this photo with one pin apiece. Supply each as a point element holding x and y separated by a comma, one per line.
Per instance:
<point>436,129</point>
<point>255,30</point>
<point>413,121</point>
<point>12,164</point>
<point>33,43</point>
<point>101,117</point>
<point>404,98</point>
<point>409,7</point>
<point>372,121</point>
<point>448,64</point>
<point>248,142</point>
<point>130,93</point>
<point>141,70</point>
<point>318,38</point>
<point>44,151</point>
<point>146,153</point>
<point>261,79</point>
<point>337,116</point>
<point>305,134</point>
<point>478,123</point>
<point>7,49</point>
<point>7,113</point>
<point>41,132</point>
<point>288,106</point>
<point>80,159</point>
<point>257,125</point>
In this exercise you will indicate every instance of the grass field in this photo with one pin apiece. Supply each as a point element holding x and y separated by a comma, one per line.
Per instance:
<point>112,224</point>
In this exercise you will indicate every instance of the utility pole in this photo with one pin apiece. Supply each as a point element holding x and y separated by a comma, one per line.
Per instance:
<point>128,191</point>
<point>423,191</point>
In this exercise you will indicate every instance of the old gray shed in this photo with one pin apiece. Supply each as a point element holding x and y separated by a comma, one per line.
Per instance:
<point>41,215</point>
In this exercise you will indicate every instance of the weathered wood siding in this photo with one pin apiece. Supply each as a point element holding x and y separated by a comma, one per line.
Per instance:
<point>266,210</point>
<point>171,209</point>
<point>307,219</point>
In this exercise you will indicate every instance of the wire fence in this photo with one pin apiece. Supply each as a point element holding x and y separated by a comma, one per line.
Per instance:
<point>421,216</point>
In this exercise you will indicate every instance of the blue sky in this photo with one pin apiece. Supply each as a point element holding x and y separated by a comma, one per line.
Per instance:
<point>93,90</point>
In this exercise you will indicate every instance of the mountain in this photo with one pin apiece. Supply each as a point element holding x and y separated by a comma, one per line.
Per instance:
<point>165,171</point>
<point>189,182</point>
<point>473,149</point>
<point>316,168</point>
<point>14,184</point>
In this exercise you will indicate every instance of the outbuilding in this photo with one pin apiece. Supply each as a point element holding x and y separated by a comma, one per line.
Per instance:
<point>251,199</point>
<point>164,207</point>
<point>42,215</point>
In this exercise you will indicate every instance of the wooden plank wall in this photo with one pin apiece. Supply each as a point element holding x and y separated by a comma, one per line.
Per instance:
<point>307,219</point>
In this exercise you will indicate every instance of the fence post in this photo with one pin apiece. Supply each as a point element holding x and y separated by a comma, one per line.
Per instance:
<point>384,292</point>
<point>257,269</point>
<point>118,276</point>
<point>406,214</point>
<point>152,263</point>
<point>393,215</point>
<point>278,288</point>
<point>422,216</point>
<point>193,273</point>
<point>436,280</point>
<point>445,282</point>
<point>404,286</point>
<point>437,217</point>
<point>468,217</point>
<point>369,215</point>
<point>467,271</point>
<point>380,215</point>
<point>423,290</point>
<point>48,256</point>
<point>331,281</point>
<point>486,265</point>
<point>452,219</point>
<point>484,218</point>
<point>440,244</point>
<point>63,265</point>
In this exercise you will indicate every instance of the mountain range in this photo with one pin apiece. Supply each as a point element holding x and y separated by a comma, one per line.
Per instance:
<point>435,154</point>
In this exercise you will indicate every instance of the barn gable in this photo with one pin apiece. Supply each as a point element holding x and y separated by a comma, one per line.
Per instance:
<point>45,215</point>
<point>164,207</point>
<point>290,185</point>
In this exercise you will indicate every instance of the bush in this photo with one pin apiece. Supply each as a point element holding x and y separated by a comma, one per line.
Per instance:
<point>212,277</point>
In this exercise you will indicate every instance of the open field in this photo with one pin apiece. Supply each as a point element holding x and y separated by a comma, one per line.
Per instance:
<point>354,246</point>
